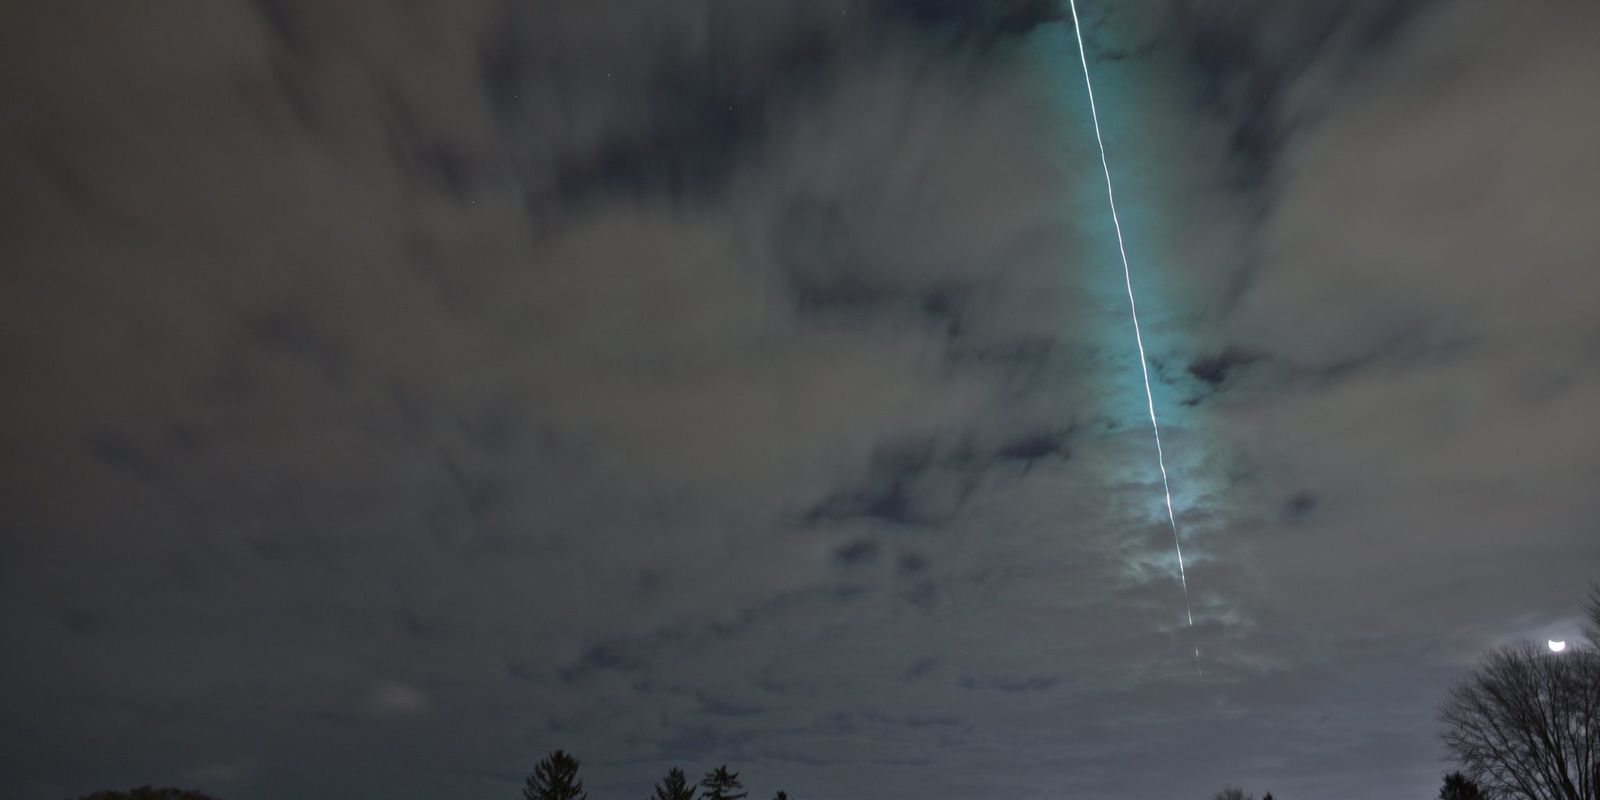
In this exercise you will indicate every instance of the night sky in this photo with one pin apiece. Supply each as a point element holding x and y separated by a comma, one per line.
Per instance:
<point>395,392</point>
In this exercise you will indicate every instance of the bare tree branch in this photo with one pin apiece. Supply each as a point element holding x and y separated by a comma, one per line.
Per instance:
<point>1526,723</point>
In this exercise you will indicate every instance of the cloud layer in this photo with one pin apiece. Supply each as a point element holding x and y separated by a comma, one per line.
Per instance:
<point>397,393</point>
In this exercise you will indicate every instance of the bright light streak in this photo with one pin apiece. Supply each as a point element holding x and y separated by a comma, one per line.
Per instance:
<point>1138,336</point>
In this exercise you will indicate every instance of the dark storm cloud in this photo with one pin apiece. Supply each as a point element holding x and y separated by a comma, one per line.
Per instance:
<point>1031,447</point>
<point>689,383</point>
<point>1215,370</point>
<point>902,487</point>
<point>1244,57</point>
<point>857,552</point>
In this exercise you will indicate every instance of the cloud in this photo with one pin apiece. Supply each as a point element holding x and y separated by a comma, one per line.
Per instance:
<point>392,698</point>
<point>745,383</point>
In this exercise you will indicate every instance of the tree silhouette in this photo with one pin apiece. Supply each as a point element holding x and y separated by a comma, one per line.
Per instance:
<point>720,784</point>
<point>673,787</point>
<point>1591,605</point>
<point>1232,793</point>
<point>1526,723</point>
<point>1460,787</point>
<point>148,793</point>
<point>781,795</point>
<point>555,777</point>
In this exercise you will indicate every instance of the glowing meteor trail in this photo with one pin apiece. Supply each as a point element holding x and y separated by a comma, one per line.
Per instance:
<point>1138,336</point>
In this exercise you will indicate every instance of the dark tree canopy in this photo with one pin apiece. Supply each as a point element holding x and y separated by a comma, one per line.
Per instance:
<point>149,793</point>
<point>1232,793</point>
<point>781,795</point>
<point>555,777</point>
<point>1526,723</point>
<point>720,784</point>
<point>1460,787</point>
<point>673,787</point>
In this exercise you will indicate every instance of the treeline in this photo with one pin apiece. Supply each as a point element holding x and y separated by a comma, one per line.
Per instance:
<point>555,777</point>
<point>1523,724</point>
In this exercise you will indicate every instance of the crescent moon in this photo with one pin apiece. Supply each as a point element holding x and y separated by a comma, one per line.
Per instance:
<point>1555,646</point>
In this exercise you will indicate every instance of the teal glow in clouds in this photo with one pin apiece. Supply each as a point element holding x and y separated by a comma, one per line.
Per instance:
<point>1138,335</point>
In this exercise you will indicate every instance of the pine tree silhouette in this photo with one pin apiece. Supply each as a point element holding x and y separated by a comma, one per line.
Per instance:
<point>720,784</point>
<point>555,777</point>
<point>673,787</point>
